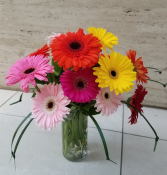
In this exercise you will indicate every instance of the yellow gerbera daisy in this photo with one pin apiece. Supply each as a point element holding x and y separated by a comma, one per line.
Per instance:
<point>106,39</point>
<point>115,71</point>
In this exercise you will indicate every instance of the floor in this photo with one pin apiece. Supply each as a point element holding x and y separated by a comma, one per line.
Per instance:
<point>40,152</point>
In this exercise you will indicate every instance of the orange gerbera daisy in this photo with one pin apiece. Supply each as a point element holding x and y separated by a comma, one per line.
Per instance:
<point>76,49</point>
<point>139,67</point>
<point>42,51</point>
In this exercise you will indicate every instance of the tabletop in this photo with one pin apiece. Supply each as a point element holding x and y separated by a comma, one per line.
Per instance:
<point>40,151</point>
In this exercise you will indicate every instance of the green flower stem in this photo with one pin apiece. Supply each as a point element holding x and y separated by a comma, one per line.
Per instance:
<point>157,138</point>
<point>74,136</point>
<point>81,147</point>
<point>160,72</point>
<point>37,88</point>
<point>53,77</point>
<point>74,105</point>
<point>65,139</point>
<point>164,85</point>
<point>70,125</point>
<point>49,76</point>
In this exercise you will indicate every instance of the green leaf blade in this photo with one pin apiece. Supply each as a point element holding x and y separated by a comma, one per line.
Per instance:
<point>81,125</point>
<point>57,69</point>
<point>92,111</point>
<point>101,135</point>
<point>19,128</point>
<point>33,95</point>
<point>18,141</point>
<point>40,82</point>
<point>20,100</point>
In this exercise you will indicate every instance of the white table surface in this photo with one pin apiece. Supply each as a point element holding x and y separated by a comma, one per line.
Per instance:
<point>40,152</point>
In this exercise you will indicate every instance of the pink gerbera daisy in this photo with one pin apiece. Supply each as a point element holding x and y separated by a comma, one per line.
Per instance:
<point>27,69</point>
<point>107,101</point>
<point>49,106</point>
<point>79,86</point>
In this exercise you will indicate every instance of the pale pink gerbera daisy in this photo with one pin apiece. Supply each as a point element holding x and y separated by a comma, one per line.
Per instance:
<point>107,101</point>
<point>50,38</point>
<point>79,86</point>
<point>28,68</point>
<point>49,106</point>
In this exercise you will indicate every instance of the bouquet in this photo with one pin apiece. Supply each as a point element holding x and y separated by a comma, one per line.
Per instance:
<point>86,77</point>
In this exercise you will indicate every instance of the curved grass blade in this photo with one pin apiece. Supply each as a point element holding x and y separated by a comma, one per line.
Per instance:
<point>14,135</point>
<point>157,138</point>
<point>20,100</point>
<point>101,135</point>
<point>18,141</point>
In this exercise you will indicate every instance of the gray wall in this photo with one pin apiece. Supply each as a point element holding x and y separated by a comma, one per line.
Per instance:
<point>139,24</point>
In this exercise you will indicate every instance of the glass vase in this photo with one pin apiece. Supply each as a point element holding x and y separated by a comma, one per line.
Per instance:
<point>74,136</point>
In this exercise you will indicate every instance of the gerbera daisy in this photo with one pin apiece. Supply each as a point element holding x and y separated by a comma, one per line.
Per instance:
<point>136,101</point>
<point>139,67</point>
<point>115,71</point>
<point>27,69</point>
<point>75,49</point>
<point>79,86</point>
<point>49,106</point>
<point>50,38</point>
<point>106,39</point>
<point>43,51</point>
<point>107,101</point>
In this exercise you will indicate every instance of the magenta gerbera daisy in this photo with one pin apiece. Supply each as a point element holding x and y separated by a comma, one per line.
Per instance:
<point>79,86</point>
<point>49,106</point>
<point>28,68</point>
<point>107,101</point>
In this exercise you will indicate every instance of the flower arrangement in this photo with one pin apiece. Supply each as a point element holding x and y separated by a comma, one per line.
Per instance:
<point>83,80</point>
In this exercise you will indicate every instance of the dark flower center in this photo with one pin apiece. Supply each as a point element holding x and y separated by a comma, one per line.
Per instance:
<point>75,45</point>
<point>113,73</point>
<point>80,84</point>
<point>50,105</point>
<point>106,95</point>
<point>30,70</point>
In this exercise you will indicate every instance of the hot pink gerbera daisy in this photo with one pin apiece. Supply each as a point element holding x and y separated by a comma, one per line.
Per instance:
<point>107,101</point>
<point>28,68</point>
<point>79,86</point>
<point>49,106</point>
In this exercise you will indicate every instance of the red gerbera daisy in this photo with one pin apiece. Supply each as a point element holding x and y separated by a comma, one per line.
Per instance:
<point>42,51</point>
<point>136,101</point>
<point>76,49</point>
<point>139,67</point>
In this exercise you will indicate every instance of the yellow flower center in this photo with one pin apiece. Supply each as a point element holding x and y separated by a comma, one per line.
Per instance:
<point>113,74</point>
